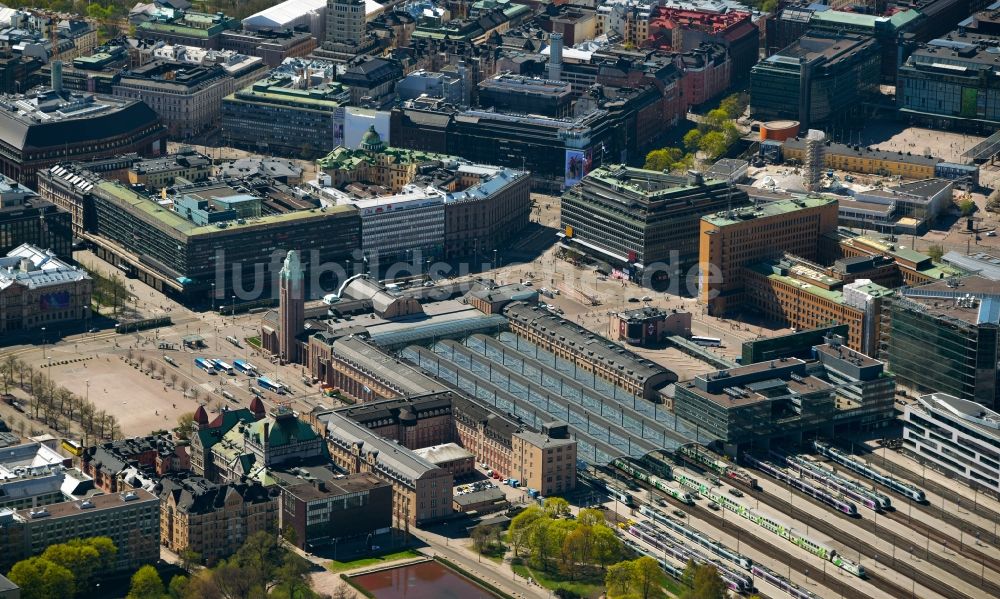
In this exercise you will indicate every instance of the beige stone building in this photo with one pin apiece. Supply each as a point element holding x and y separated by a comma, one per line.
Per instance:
<point>545,461</point>
<point>214,519</point>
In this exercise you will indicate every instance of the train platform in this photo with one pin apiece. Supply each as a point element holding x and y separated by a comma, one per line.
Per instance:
<point>971,498</point>
<point>848,527</point>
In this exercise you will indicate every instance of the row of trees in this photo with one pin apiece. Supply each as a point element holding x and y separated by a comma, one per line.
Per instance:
<point>64,570</point>
<point>712,137</point>
<point>570,546</point>
<point>57,406</point>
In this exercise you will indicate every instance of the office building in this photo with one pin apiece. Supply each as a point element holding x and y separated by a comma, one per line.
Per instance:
<point>25,218</point>
<point>186,98</point>
<point>636,219</point>
<point>545,461</point>
<point>818,78</point>
<point>324,509</point>
<point>186,166</point>
<point>345,22</point>
<point>186,27</point>
<point>206,245</point>
<point>948,83</point>
<point>31,475</point>
<point>865,392</point>
<point>736,238</point>
<point>526,95</point>
<point>909,267</point>
<point>50,126</point>
<point>272,46</point>
<point>130,519</point>
<point>789,345</point>
<point>37,289</point>
<point>446,86</point>
<point>421,491</point>
<point>749,406</point>
<point>213,519</point>
<point>293,112</point>
<point>371,81</point>
<point>681,28</point>
<point>942,337</point>
<point>798,294</point>
<point>418,204</point>
<point>958,437</point>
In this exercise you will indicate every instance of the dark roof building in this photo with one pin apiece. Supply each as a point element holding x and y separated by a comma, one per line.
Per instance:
<point>27,218</point>
<point>47,126</point>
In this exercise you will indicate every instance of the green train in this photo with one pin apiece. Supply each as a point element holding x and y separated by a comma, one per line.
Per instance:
<point>641,474</point>
<point>784,531</point>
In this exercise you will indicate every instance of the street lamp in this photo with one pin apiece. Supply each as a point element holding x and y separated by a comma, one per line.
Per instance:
<point>43,343</point>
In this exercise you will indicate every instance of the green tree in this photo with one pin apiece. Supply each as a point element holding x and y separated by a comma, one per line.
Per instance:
<point>647,576</point>
<point>576,550</point>
<point>619,578</point>
<point>692,140</point>
<point>590,517</point>
<point>185,425</point>
<point>606,547</point>
<point>40,578</point>
<point>189,559</point>
<point>663,159</point>
<point>556,506</point>
<point>178,586</point>
<point>717,118</point>
<point>703,582</point>
<point>76,556</point>
<point>481,536</point>
<point>713,144</point>
<point>967,207</point>
<point>260,556</point>
<point>519,532</point>
<point>935,252</point>
<point>146,584</point>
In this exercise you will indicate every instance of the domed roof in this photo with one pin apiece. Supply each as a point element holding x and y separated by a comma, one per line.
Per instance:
<point>371,141</point>
<point>200,415</point>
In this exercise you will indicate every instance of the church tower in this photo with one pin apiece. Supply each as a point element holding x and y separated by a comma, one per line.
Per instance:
<point>291,307</point>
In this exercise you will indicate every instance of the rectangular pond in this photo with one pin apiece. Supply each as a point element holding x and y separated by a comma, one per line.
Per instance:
<point>423,580</point>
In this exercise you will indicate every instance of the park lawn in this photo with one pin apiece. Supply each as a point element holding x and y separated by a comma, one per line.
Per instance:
<point>338,566</point>
<point>586,587</point>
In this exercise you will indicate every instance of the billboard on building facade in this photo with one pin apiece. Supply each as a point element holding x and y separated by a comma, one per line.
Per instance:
<point>578,163</point>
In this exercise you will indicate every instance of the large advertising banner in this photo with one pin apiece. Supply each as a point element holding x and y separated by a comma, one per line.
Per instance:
<point>60,300</point>
<point>578,164</point>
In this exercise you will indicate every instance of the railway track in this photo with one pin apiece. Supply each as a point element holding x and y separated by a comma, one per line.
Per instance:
<point>760,542</point>
<point>957,545</point>
<point>884,559</point>
<point>987,536</point>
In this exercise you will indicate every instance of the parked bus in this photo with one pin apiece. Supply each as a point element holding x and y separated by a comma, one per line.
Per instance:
<point>707,341</point>
<point>229,396</point>
<point>224,367</point>
<point>72,447</point>
<point>234,341</point>
<point>265,383</point>
<point>169,360</point>
<point>205,365</point>
<point>245,367</point>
